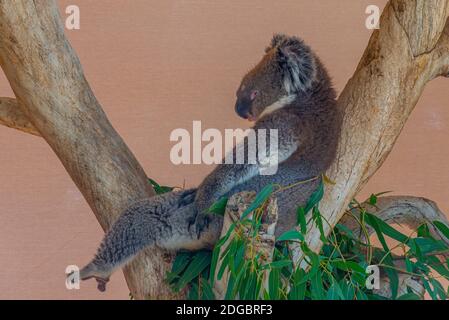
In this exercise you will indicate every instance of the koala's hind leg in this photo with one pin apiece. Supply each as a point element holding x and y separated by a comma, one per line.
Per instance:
<point>165,221</point>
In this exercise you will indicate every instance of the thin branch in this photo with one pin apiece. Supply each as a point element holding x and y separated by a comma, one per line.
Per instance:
<point>408,211</point>
<point>12,116</point>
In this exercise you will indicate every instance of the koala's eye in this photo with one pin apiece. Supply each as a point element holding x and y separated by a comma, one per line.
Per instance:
<point>254,94</point>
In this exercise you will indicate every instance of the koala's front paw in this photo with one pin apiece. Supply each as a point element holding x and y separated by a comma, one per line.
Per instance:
<point>201,223</point>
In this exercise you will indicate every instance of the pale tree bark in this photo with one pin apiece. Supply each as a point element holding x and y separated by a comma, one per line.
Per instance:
<point>55,101</point>
<point>410,49</point>
<point>11,115</point>
<point>53,94</point>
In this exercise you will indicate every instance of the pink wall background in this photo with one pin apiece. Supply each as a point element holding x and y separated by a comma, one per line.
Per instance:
<point>156,66</point>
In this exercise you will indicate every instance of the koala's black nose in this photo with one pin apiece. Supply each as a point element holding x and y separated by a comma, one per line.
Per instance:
<point>242,108</point>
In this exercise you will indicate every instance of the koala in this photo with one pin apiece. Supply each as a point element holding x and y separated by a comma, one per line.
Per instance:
<point>288,90</point>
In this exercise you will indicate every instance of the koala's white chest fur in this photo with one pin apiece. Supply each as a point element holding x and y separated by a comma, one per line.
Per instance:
<point>282,102</point>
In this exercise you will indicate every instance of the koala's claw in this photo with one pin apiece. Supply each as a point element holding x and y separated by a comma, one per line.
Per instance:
<point>187,198</point>
<point>201,223</point>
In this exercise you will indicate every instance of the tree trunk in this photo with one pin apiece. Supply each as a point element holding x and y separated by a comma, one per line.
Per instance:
<point>410,49</point>
<point>56,102</point>
<point>53,94</point>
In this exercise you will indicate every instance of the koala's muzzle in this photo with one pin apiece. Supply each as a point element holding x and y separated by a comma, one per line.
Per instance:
<point>243,108</point>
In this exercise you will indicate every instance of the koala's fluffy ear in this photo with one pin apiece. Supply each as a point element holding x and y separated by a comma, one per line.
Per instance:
<point>276,41</point>
<point>296,61</point>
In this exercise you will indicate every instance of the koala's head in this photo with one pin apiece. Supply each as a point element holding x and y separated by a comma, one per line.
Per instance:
<point>287,68</point>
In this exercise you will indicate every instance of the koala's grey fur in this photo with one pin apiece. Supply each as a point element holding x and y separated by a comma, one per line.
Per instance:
<point>289,90</point>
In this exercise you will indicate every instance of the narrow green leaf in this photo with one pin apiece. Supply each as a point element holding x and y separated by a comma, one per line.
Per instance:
<point>193,292</point>
<point>334,292</point>
<point>319,222</point>
<point>301,219</point>
<point>230,289</point>
<point>182,259</point>
<point>438,289</point>
<point>291,235</point>
<point>206,290</point>
<point>298,287</point>
<point>219,207</point>
<point>315,198</point>
<point>348,266</point>
<point>263,195</point>
<point>158,188</point>
<point>444,229</point>
<point>274,283</point>
<point>279,264</point>
<point>373,199</point>
<point>317,288</point>
<point>427,245</point>
<point>385,228</point>
<point>360,295</point>
<point>423,231</point>
<point>200,261</point>
<point>429,290</point>
<point>346,230</point>
<point>376,223</point>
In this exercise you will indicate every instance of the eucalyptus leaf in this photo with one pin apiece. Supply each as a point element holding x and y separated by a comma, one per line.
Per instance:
<point>444,229</point>
<point>261,197</point>
<point>219,207</point>
<point>291,235</point>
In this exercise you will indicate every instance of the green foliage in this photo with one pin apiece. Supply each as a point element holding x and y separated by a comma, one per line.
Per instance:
<point>337,272</point>
<point>219,207</point>
<point>158,188</point>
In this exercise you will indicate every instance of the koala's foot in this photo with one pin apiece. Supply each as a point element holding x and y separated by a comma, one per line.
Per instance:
<point>99,274</point>
<point>101,284</point>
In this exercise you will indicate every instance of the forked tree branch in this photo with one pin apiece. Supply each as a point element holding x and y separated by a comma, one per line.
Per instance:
<point>55,100</point>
